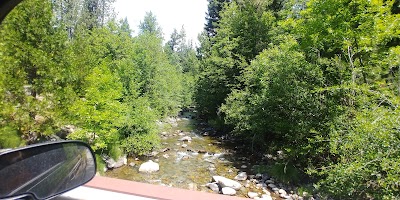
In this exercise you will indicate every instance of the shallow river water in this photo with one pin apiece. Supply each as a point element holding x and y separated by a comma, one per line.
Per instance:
<point>188,165</point>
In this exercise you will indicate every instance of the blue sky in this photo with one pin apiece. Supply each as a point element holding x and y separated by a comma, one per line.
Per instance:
<point>170,14</point>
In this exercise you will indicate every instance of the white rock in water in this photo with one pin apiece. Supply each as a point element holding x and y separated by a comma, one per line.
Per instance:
<point>269,181</point>
<point>213,186</point>
<point>266,197</point>
<point>241,176</point>
<point>226,182</point>
<point>186,138</point>
<point>181,134</point>
<point>285,196</point>
<point>282,191</point>
<point>252,195</point>
<point>228,191</point>
<point>149,167</point>
<point>266,192</point>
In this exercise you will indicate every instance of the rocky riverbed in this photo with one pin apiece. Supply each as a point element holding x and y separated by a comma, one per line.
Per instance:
<point>189,158</point>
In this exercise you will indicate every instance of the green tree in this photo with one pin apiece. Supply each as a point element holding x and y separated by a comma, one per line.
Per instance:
<point>99,113</point>
<point>150,25</point>
<point>278,102</point>
<point>244,31</point>
<point>213,16</point>
<point>182,55</point>
<point>32,65</point>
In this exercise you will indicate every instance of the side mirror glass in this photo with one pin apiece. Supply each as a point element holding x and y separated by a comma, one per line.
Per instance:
<point>45,170</point>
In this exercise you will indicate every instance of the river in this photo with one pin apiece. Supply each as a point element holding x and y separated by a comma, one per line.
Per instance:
<point>189,165</point>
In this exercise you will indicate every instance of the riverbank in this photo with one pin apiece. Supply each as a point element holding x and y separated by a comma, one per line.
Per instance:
<point>189,158</point>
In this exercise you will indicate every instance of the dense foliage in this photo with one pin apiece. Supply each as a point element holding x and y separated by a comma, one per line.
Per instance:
<point>315,80</point>
<point>71,64</point>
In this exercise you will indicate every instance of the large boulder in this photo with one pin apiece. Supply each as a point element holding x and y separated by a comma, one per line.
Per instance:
<point>149,167</point>
<point>226,182</point>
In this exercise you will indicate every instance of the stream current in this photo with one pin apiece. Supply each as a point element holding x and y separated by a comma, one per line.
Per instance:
<point>188,164</point>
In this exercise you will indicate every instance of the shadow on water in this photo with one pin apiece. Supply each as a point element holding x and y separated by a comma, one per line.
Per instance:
<point>190,164</point>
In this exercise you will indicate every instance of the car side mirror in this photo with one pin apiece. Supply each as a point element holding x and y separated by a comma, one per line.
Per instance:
<point>45,170</point>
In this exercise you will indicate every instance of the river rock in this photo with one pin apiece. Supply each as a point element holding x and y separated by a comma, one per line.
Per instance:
<point>269,181</point>
<point>166,156</point>
<point>132,164</point>
<point>226,182</point>
<point>186,138</point>
<point>266,197</point>
<point>202,151</point>
<point>218,155</point>
<point>65,131</point>
<point>252,195</point>
<point>265,191</point>
<point>149,167</point>
<point>164,133</point>
<point>172,121</point>
<point>213,186</point>
<point>241,176</point>
<point>181,134</point>
<point>112,164</point>
<point>228,191</point>
<point>282,191</point>
<point>184,145</point>
<point>153,153</point>
<point>258,176</point>
<point>285,196</point>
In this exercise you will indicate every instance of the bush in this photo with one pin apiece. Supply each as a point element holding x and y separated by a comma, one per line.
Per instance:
<point>368,151</point>
<point>139,132</point>
<point>140,144</point>
<point>10,138</point>
<point>278,102</point>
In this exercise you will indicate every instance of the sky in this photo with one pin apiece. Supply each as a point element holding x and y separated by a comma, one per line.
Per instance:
<point>170,14</point>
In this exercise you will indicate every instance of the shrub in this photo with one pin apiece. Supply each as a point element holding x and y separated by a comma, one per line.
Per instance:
<point>140,144</point>
<point>10,138</point>
<point>368,151</point>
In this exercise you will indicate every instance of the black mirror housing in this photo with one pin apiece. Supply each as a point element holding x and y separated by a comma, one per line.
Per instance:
<point>45,170</point>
